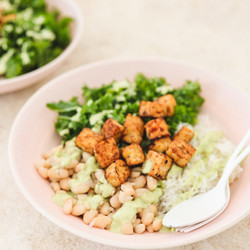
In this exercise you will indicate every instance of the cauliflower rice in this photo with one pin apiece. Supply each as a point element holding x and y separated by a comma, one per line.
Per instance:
<point>205,168</point>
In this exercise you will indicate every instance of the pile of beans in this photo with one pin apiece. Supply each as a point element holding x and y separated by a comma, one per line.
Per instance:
<point>59,178</point>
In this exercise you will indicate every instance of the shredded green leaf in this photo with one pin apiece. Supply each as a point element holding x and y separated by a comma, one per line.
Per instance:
<point>117,99</point>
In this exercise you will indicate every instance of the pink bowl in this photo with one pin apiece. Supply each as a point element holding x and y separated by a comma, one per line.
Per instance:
<point>33,133</point>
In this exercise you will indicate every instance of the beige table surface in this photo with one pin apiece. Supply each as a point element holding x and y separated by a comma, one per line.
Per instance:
<point>211,34</point>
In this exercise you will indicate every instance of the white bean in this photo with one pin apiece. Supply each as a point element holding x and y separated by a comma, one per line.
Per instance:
<point>114,201</point>
<point>101,221</point>
<point>85,156</point>
<point>147,218</point>
<point>80,209</point>
<point>140,228</point>
<point>127,187</point>
<point>99,174</point>
<point>81,189</point>
<point>73,163</point>
<point>157,224</point>
<point>68,205</point>
<point>79,167</point>
<point>136,222</point>
<point>65,184</point>
<point>89,216</point>
<point>127,228</point>
<point>151,183</point>
<point>150,228</point>
<point>105,208</point>
<point>58,173</point>
<point>140,182</point>
<point>124,197</point>
<point>139,192</point>
<point>43,172</point>
<point>150,209</point>
<point>55,186</point>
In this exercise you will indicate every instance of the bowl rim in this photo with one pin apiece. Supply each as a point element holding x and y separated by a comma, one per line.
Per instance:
<point>91,236</point>
<point>76,37</point>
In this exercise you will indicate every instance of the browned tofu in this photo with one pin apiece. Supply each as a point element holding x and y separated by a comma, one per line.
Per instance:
<point>181,152</point>
<point>169,101</point>
<point>112,128</point>
<point>152,109</point>
<point>133,154</point>
<point>156,128</point>
<point>133,129</point>
<point>160,145</point>
<point>184,134</point>
<point>117,173</point>
<point>158,164</point>
<point>87,140</point>
<point>106,152</point>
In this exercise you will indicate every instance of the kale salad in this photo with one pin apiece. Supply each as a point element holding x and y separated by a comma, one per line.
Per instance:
<point>31,36</point>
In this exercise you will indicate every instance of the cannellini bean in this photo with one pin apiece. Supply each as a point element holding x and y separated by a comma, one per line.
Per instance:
<point>147,218</point>
<point>127,187</point>
<point>101,221</point>
<point>85,156</point>
<point>89,216</point>
<point>81,189</point>
<point>65,184</point>
<point>58,173</point>
<point>52,161</point>
<point>68,205</point>
<point>140,228</point>
<point>111,215</point>
<point>43,172</point>
<point>140,182</point>
<point>124,197</point>
<point>127,228</point>
<point>81,196</point>
<point>151,183</point>
<point>39,164</point>
<point>79,167</point>
<point>73,163</point>
<point>47,155</point>
<point>80,209</point>
<point>150,228</point>
<point>105,208</point>
<point>55,186</point>
<point>99,174</point>
<point>139,192</point>
<point>136,222</point>
<point>114,201</point>
<point>150,209</point>
<point>157,224</point>
<point>136,172</point>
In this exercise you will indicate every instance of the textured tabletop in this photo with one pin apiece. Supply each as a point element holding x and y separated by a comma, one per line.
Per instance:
<point>211,34</point>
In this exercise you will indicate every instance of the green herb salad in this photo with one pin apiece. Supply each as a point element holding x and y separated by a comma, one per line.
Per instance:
<point>30,36</point>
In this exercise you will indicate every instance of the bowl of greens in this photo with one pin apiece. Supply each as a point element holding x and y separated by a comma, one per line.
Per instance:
<point>35,38</point>
<point>59,149</point>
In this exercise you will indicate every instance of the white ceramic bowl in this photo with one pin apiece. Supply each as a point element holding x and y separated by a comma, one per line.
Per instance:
<point>33,133</point>
<point>66,8</point>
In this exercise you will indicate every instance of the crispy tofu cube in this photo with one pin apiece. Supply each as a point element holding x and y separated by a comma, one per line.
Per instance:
<point>156,128</point>
<point>117,173</point>
<point>87,140</point>
<point>157,165</point>
<point>112,128</point>
<point>160,145</point>
<point>106,152</point>
<point>185,134</point>
<point>133,154</point>
<point>133,129</point>
<point>169,101</point>
<point>152,109</point>
<point>181,152</point>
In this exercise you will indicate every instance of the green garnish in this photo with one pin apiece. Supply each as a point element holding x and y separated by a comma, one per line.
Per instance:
<point>117,99</point>
<point>33,35</point>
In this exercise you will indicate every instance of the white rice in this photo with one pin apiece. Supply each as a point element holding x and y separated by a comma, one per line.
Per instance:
<point>204,169</point>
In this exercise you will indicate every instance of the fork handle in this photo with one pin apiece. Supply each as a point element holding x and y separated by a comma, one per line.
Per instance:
<point>232,165</point>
